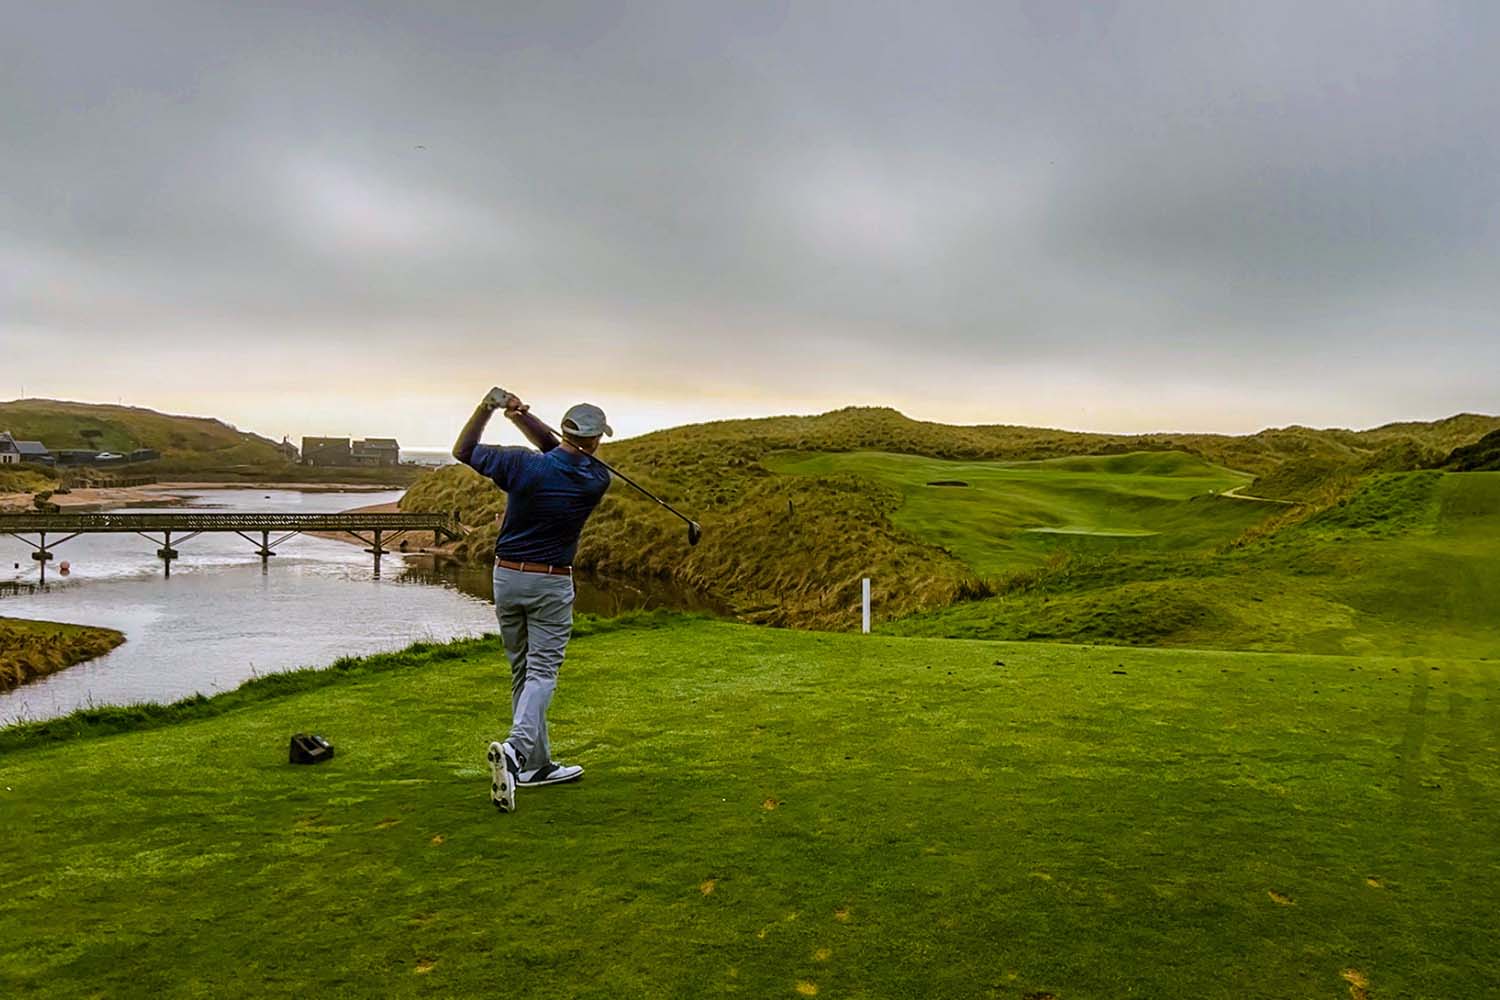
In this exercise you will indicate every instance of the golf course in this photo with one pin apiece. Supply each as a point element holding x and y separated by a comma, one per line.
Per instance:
<point>1132,730</point>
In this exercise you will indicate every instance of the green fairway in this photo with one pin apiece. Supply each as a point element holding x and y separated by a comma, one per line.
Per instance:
<point>1010,516</point>
<point>773,813</point>
<point>1408,566</point>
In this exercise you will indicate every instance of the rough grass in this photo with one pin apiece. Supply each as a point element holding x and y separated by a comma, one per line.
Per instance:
<point>1481,456</point>
<point>32,649</point>
<point>24,480</point>
<point>771,813</point>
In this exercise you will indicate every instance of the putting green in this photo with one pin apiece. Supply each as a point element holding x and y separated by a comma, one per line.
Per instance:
<point>1096,532</point>
<point>1011,516</point>
<point>1409,566</point>
<point>771,813</point>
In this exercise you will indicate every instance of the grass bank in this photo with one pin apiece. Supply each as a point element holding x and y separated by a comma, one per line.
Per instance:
<point>14,479</point>
<point>32,649</point>
<point>772,813</point>
<point>796,510</point>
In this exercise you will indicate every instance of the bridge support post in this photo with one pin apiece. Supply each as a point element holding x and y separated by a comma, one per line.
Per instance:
<point>166,552</point>
<point>378,550</point>
<point>41,554</point>
<point>265,546</point>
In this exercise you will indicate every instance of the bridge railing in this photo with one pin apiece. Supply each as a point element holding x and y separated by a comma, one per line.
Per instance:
<point>375,530</point>
<point>203,521</point>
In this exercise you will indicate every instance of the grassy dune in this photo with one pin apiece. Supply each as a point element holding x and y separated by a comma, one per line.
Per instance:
<point>1082,537</point>
<point>32,649</point>
<point>61,424</point>
<point>771,813</point>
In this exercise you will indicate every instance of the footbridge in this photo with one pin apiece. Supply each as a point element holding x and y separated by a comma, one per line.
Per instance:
<point>43,532</point>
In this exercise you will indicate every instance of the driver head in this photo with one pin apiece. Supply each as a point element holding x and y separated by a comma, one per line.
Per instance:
<point>695,532</point>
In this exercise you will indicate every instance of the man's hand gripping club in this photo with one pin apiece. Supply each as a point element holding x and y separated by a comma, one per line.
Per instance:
<point>499,399</point>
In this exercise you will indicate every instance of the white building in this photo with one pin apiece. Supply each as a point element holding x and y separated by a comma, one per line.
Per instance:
<point>9,453</point>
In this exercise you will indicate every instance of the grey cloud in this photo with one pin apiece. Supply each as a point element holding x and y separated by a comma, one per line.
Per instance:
<point>1240,190</point>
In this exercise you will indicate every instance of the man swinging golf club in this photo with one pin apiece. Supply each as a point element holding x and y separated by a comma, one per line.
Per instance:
<point>550,493</point>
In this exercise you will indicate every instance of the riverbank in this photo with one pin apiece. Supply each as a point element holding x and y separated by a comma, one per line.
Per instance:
<point>32,649</point>
<point>199,484</point>
<point>93,498</point>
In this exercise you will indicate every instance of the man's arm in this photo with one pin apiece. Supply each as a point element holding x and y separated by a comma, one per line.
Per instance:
<point>519,413</point>
<point>468,438</point>
<point>536,432</point>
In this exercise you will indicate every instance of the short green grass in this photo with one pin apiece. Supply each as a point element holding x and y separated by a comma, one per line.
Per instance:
<point>1145,549</point>
<point>770,813</point>
<point>1016,515</point>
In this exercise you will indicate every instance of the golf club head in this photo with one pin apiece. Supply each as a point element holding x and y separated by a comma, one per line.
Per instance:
<point>695,532</point>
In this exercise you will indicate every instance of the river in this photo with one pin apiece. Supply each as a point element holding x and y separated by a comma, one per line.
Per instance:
<point>223,617</point>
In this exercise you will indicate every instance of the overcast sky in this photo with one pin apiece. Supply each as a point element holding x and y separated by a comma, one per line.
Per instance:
<point>355,217</point>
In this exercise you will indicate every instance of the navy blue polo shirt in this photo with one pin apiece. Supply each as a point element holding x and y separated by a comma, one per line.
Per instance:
<point>549,496</point>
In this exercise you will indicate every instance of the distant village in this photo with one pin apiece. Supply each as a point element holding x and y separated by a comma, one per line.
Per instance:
<point>326,451</point>
<point>318,451</point>
<point>14,452</point>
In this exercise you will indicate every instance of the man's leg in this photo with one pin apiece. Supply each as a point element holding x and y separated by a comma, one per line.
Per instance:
<point>549,624</point>
<point>511,614</point>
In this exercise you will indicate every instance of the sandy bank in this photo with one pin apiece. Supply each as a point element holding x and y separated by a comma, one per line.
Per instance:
<point>299,487</point>
<point>87,498</point>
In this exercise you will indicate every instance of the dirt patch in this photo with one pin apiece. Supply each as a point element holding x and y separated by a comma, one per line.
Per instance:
<point>841,914</point>
<point>424,966</point>
<point>1359,984</point>
<point>1374,883</point>
<point>1039,996</point>
<point>769,804</point>
<point>1280,899</point>
<point>437,840</point>
<point>822,954</point>
<point>806,988</point>
<point>386,823</point>
<point>708,886</point>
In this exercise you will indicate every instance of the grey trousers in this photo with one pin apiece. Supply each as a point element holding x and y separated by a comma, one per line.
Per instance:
<point>535,611</point>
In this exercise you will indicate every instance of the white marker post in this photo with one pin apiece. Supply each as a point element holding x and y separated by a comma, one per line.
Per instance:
<point>865,601</point>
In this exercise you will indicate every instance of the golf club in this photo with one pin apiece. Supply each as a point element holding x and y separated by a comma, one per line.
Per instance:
<point>695,530</point>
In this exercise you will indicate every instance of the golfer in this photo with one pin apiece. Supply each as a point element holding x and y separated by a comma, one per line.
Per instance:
<point>550,493</point>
